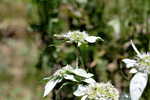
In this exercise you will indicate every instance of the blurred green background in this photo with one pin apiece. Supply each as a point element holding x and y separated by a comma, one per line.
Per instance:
<point>29,51</point>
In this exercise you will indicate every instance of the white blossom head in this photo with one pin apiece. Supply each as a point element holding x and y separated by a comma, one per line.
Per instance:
<point>141,63</point>
<point>80,37</point>
<point>97,91</point>
<point>74,71</point>
<point>70,74</point>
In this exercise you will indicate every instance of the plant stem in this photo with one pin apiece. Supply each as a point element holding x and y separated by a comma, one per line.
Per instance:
<point>78,56</point>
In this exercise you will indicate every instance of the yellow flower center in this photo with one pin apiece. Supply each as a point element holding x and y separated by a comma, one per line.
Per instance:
<point>76,36</point>
<point>145,61</point>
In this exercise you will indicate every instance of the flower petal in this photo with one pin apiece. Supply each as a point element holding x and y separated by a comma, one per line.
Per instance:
<point>50,85</point>
<point>137,85</point>
<point>129,62</point>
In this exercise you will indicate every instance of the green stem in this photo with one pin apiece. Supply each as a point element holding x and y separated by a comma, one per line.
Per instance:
<point>77,61</point>
<point>79,57</point>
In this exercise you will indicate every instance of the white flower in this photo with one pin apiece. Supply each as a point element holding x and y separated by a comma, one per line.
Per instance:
<point>97,91</point>
<point>68,73</point>
<point>140,64</point>
<point>75,71</point>
<point>80,37</point>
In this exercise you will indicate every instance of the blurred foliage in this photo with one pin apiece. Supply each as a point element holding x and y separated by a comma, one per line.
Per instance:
<point>27,29</point>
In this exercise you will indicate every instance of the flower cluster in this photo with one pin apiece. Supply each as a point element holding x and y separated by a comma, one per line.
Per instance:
<point>87,87</point>
<point>70,74</point>
<point>80,37</point>
<point>97,91</point>
<point>140,64</point>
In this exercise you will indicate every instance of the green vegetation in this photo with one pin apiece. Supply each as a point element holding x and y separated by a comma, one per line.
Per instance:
<point>29,51</point>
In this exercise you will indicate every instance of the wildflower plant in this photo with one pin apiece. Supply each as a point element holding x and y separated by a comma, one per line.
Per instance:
<point>97,91</point>
<point>141,67</point>
<point>84,85</point>
<point>79,37</point>
<point>69,74</point>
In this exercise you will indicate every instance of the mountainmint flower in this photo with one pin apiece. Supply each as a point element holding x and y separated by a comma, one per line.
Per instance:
<point>140,64</point>
<point>68,73</point>
<point>97,91</point>
<point>80,37</point>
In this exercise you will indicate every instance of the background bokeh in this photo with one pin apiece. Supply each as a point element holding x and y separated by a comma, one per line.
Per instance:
<point>29,51</point>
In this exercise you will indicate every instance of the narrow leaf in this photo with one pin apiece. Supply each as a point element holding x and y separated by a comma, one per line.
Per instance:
<point>135,49</point>
<point>84,97</point>
<point>90,81</point>
<point>82,73</point>
<point>81,90</point>
<point>137,85</point>
<point>129,62</point>
<point>70,77</point>
<point>50,85</point>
